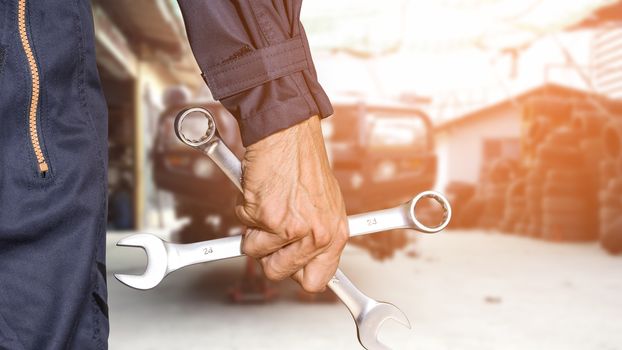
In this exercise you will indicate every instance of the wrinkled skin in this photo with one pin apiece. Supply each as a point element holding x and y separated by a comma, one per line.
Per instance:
<point>293,207</point>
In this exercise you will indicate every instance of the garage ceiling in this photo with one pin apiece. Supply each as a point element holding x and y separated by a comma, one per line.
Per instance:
<point>156,23</point>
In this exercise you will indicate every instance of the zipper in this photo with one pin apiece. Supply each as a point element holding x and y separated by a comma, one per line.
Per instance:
<point>35,88</point>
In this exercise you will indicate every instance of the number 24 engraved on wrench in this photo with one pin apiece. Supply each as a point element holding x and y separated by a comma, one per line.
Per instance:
<point>371,222</point>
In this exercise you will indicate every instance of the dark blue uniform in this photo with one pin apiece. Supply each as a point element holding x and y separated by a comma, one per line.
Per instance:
<point>53,154</point>
<point>53,148</point>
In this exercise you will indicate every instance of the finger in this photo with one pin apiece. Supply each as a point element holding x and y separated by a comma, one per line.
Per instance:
<point>316,275</point>
<point>286,261</point>
<point>258,243</point>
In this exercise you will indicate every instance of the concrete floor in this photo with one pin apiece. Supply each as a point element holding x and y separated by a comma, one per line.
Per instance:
<point>463,291</point>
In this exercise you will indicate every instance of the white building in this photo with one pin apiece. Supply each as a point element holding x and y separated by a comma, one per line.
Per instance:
<point>466,143</point>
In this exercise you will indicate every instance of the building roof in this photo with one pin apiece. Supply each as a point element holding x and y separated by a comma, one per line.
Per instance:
<point>602,16</point>
<point>551,90</point>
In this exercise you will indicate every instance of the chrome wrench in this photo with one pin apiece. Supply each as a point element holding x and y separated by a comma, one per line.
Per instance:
<point>164,257</point>
<point>368,313</point>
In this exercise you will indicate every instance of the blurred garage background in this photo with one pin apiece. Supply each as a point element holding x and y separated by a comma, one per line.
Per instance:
<point>511,108</point>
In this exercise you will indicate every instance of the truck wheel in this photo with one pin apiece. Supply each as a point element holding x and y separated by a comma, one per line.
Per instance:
<point>611,240</point>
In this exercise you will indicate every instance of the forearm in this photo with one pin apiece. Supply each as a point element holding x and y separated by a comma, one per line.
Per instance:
<point>293,206</point>
<point>255,58</point>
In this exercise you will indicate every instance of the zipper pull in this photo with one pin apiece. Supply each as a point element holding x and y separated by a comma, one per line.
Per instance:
<point>43,168</point>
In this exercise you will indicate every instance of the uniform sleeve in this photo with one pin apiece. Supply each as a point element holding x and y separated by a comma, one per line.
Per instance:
<point>255,58</point>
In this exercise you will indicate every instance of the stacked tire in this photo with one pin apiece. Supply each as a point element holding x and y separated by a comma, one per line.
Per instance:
<point>540,127</point>
<point>533,195</point>
<point>493,190</point>
<point>537,131</point>
<point>515,213</point>
<point>571,189</point>
<point>611,217</point>
<point>459,195</point>
<point>610,196</point>
<point>589,123</point>
<point>566,204</point>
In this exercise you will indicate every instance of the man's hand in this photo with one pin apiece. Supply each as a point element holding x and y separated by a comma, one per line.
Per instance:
<point>292,205</point>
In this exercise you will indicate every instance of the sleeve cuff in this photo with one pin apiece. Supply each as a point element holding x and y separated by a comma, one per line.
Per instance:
<point>283,115</point>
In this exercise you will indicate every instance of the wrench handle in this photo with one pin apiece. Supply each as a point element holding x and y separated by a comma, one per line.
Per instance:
<point>228,162</point>
<point>211,144</point>
<point>379,221</point>
<point>348,293</point>
<point>180,255</point>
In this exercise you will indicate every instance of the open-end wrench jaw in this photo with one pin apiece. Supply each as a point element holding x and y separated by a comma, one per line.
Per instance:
<point>157,262</point>
<point>369,314</point>
<point>370,321</point>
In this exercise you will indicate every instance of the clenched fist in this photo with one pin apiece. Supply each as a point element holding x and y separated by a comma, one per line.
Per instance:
<point>292,205</point>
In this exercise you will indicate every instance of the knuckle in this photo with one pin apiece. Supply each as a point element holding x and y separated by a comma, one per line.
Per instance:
<point>272,276</point>
<point>272,273</point>
<point>343,236</point>
<point>300,260</point>
<point>322,238</point>
<point>274,223</point>
<point>249,249</point>
<point>242,214</point>
<point>289,235</point>
<point>270,221</point>
<point>295,231</point>
<point>249,245</point>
